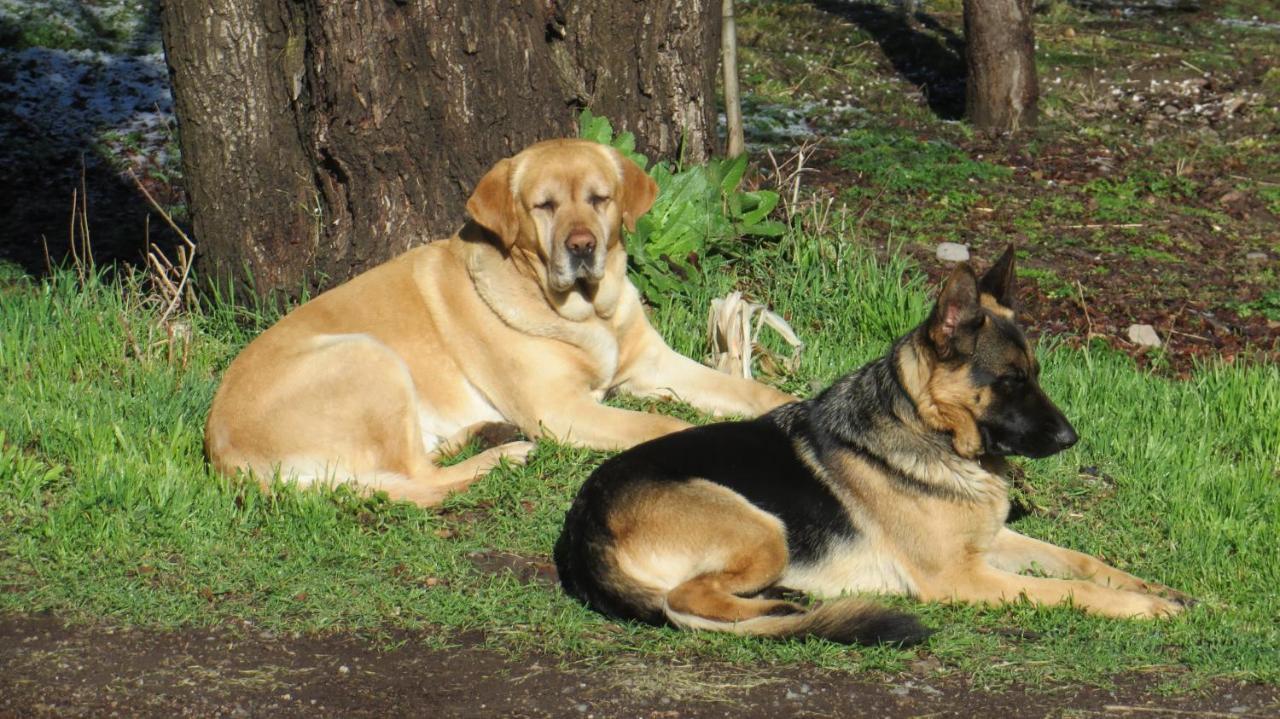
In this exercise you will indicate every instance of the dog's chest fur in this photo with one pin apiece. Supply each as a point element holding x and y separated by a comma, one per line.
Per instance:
<point>521,306</point>
<point>903,534</point>
<point>914,508</point>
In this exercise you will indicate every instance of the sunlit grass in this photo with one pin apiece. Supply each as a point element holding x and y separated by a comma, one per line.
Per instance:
<point>108,511</point>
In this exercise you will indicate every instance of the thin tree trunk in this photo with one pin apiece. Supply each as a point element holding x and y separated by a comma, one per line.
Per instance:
<point>732,102</point>
<point>1002,91</point>
<point>320,138</point>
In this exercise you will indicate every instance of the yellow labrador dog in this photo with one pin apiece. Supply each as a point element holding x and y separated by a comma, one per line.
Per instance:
<point>524,318</point>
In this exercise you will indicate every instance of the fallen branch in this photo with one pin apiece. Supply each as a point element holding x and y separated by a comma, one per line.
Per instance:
<point>1127,709</point>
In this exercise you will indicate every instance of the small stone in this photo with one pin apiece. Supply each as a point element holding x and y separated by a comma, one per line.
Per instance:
<point>952,252</point>
<point>924,667</point>
<point>344,669</point>
<point>1144,336</point>
<point>1231,197</point>
<point>1256,257</point>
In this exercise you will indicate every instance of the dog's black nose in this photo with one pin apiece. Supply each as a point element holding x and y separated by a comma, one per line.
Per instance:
<point>1066,436</point>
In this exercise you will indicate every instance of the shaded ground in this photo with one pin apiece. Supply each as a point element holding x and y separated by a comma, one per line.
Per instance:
<point>48,669</point>
<point>1149,194</point>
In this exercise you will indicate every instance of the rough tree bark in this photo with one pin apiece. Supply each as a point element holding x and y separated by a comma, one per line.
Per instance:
<point>1002,91</point>
<point>320,138</point>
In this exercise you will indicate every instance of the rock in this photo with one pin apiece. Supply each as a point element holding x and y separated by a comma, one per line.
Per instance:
<point>1256,257</point>
<point>952,252</point>
<point>1144,336</point>
<point>1231,197</point>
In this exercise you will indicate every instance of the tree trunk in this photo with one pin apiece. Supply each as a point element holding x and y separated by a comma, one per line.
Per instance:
<point>320,138</point>
<point>1002,91</point>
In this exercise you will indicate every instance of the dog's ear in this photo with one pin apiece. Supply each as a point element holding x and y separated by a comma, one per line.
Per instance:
<point>637,192</point>
<point>492,204</point>
<point>958,313</point>
<point>999,280</point>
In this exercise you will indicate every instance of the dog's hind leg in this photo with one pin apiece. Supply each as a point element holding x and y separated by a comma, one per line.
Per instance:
<point>429,483</point>
<point>705,550</point>
<point>344,409</point>
<point>700,549</point>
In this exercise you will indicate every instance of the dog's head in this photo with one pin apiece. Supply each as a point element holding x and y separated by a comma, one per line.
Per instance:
<point>563,202</point>
<point>984,383</point>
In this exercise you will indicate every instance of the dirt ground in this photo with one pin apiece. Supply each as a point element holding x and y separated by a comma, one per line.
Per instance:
<point>50,669</point>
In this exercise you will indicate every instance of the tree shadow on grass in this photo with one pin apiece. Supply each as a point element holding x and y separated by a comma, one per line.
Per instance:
<point>921,49</point>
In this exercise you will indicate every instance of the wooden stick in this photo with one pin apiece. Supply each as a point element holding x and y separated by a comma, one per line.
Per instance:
<point>732,101</point>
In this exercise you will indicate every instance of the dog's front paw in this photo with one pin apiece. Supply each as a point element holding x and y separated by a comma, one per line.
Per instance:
<point>516,453</point>
<point>1165,592</point>
<point>1159,607</point>
<point>1181,598</point>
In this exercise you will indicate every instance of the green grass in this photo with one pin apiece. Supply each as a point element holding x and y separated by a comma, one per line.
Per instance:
<point>108,511</point>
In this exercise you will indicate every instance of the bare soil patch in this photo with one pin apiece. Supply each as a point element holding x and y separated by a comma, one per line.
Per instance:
<point>48,668</point>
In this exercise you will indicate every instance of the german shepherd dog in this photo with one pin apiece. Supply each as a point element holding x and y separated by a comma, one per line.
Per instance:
<point>891,480</point>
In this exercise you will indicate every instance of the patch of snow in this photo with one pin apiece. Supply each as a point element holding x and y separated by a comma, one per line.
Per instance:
<point>83,98</point>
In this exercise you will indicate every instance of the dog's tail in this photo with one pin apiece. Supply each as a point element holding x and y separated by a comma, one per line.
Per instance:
<point>845,620</point>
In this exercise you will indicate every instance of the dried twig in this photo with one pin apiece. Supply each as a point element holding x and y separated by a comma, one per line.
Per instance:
<point>1101,226</point>
<point>171,279</point>
<point>788,174</point>
<point>1127,709</point>
<point>1088,323</point>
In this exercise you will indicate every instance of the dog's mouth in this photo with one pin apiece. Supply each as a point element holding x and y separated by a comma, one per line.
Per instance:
<point>995,446</point>
<point>580,273</point>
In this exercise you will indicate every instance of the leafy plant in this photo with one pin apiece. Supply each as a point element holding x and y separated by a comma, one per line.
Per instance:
<point>699,211</point>
<point>1268,305</point>
<point>896,162</point>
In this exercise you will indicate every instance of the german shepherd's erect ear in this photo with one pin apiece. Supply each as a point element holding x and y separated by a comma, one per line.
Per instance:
<point>493,206</point>
<point>999,281</point>
<point>957,315</point>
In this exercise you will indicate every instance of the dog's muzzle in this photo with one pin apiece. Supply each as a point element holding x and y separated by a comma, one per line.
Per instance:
<point>579,259</point>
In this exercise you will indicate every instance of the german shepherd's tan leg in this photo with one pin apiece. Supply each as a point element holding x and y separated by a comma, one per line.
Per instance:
<point>701,552</point>
<point>1015,552</point>
<point>709,546</point>
<point>981,582</point>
